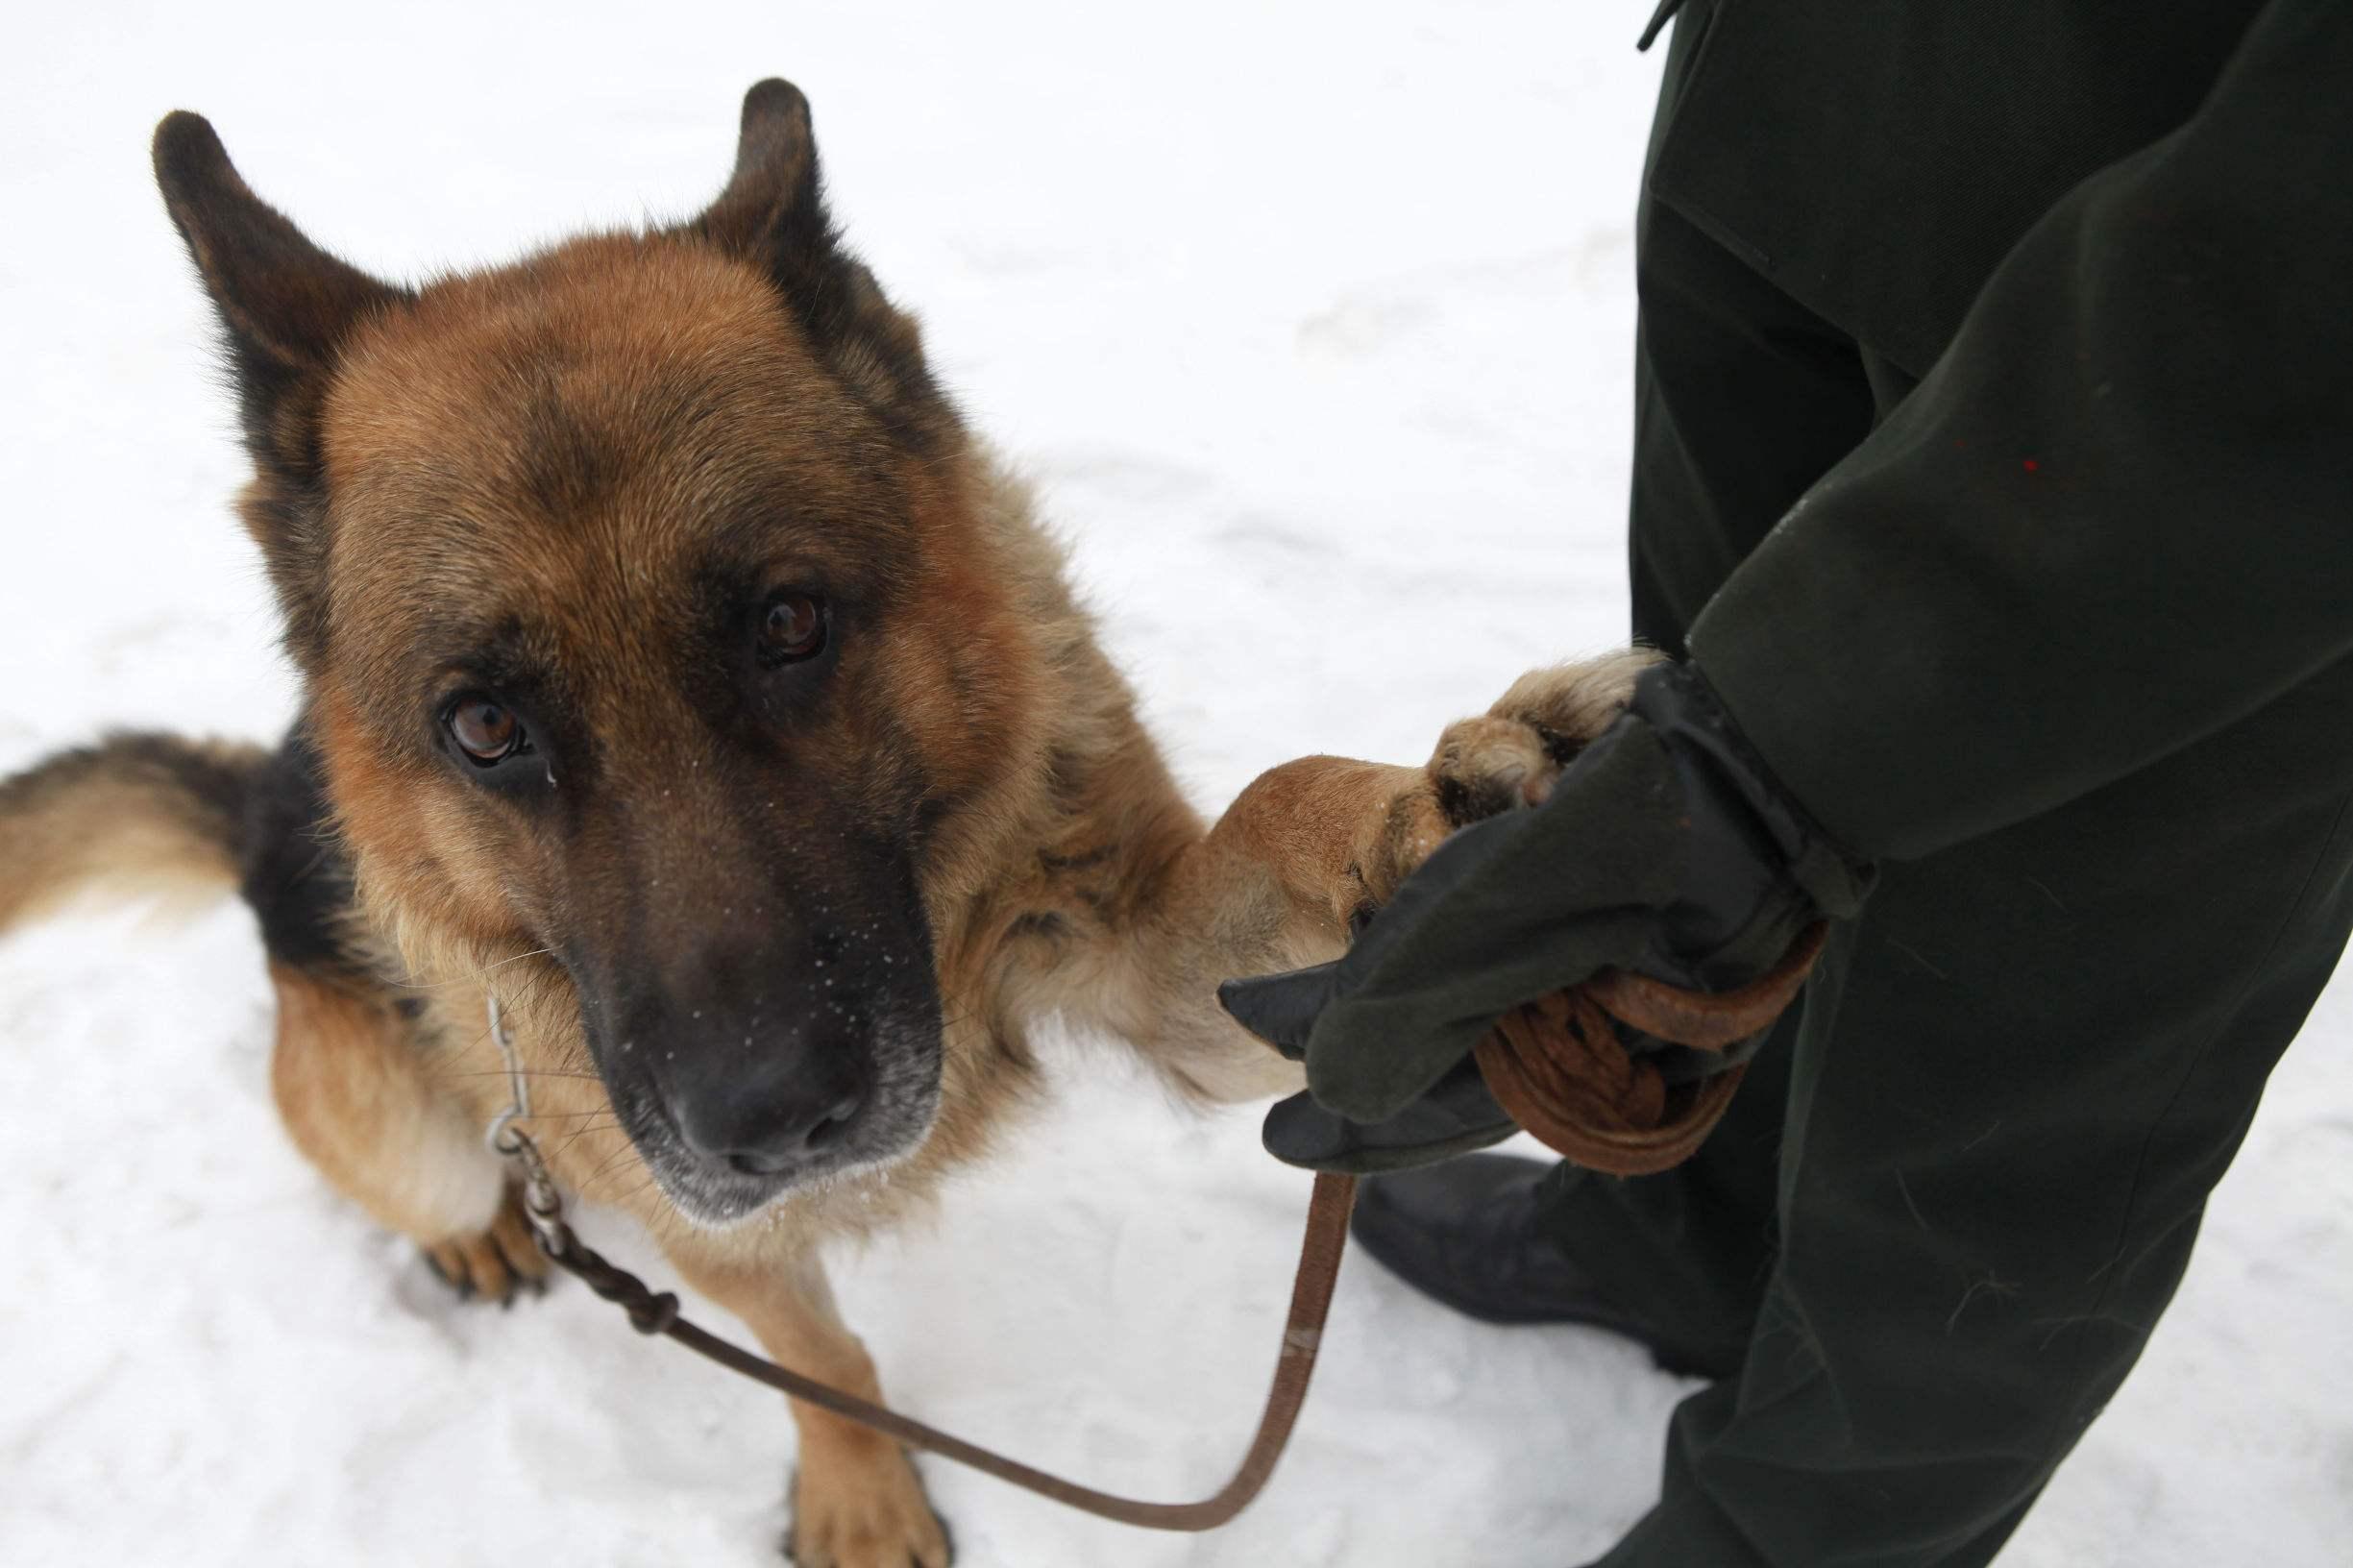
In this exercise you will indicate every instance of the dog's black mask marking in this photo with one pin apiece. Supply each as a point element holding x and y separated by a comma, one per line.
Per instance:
<point>791,1037</point>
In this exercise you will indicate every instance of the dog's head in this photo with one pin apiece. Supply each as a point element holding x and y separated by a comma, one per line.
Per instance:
<point>645,622</point>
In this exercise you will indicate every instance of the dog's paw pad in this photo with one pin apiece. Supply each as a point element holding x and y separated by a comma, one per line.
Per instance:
<point>493,1265</point>
<point>1507,759</point>
<point>1487,766</point>
<point>1509,756</point>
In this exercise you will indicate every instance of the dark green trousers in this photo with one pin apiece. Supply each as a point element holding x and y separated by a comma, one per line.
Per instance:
<point>1955,1195</point>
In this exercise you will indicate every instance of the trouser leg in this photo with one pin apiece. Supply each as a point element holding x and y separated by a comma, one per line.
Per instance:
<point>2016,1079</point>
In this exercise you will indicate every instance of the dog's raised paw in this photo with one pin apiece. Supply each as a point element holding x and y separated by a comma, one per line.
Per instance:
<point>493,1264</point>
<point>861,1506</point>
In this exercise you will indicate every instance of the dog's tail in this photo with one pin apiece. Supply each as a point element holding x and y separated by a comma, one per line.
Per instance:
<point>134,815</point>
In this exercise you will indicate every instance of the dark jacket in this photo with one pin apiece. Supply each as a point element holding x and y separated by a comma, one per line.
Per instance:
<point>2117,241</point>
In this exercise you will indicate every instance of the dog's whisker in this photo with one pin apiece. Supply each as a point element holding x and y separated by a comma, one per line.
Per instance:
<point>606,1164</point>
<point>618,1199</point>
<point>470,976</point>
<point>581,1133</point>
<point>524,1072</point>
<point>610,1124</point>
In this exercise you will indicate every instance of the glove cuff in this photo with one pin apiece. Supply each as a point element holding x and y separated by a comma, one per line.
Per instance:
<point>1680,705</point>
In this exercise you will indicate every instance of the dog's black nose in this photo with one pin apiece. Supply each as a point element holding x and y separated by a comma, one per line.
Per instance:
<point>764,1123</point>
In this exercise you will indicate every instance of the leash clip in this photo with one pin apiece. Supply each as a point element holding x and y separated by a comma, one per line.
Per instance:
<point>541,1205</point>
<point>505,1137</point>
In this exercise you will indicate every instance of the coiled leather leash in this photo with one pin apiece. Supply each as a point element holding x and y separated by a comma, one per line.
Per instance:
<point>1543,1063</point>
<point>1558,1068</point>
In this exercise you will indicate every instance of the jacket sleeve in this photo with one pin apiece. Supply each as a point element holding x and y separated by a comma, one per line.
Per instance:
<point>2118,513</point>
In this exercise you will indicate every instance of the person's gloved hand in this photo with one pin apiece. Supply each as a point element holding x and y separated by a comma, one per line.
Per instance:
<point>1665,848</point>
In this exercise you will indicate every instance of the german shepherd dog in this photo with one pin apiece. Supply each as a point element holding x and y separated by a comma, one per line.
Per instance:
<point>680,672</point>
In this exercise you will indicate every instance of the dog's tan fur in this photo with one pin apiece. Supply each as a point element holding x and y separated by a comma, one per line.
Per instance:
<point>1066,875</point>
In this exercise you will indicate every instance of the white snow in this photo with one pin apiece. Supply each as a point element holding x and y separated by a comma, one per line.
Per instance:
<point>1316,321</point>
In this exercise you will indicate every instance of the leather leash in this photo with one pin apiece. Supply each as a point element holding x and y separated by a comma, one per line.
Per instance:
<point>653,1311</point>
<point>1537,1063</point>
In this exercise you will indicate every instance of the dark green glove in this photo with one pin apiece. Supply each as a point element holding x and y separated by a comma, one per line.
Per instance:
<point>1456,1117</point>
<point>1665,848</point>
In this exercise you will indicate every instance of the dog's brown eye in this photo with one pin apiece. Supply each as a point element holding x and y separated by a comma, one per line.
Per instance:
<point>792,627</point>
<point>484,730</point>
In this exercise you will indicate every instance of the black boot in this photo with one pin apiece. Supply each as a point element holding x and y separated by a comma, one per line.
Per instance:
<point>1468,1232</point>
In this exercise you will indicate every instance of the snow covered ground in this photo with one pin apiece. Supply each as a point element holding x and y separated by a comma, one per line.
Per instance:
<point>1315,320</point>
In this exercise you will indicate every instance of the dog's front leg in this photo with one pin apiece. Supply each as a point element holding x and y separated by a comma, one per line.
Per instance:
<point>856,1500</point>
<point>1315,843</point>
<point>355,1087</point>
<point>1271,886</point>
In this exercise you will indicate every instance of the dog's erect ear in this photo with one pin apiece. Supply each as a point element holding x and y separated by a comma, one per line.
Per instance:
<point>284,305</point>
<point>773,211</point>
<point>772,214</point>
